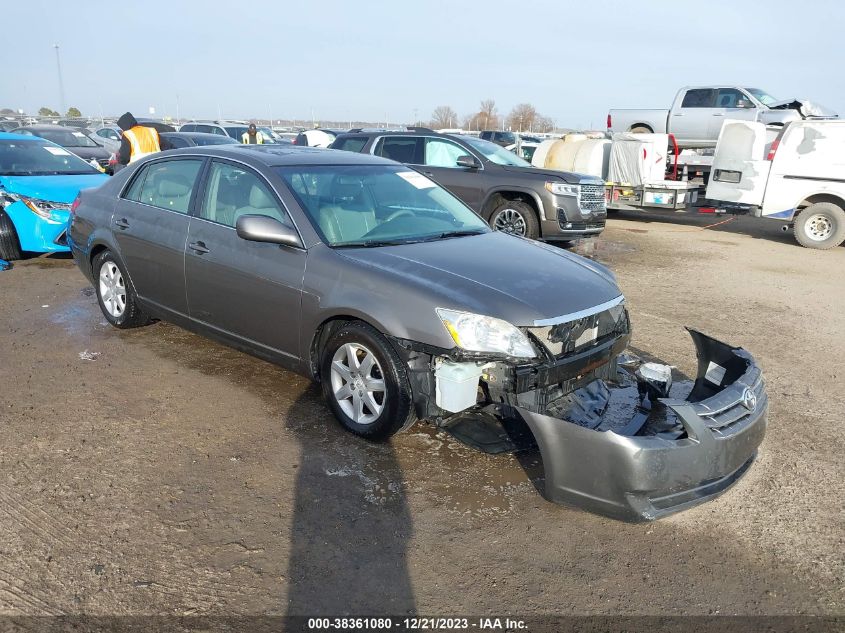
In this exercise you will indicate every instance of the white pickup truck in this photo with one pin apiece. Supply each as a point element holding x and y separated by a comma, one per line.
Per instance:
<point>697,114</point>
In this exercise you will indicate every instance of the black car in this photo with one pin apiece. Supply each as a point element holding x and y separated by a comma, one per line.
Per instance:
<point>508,192</point>
<point>194,139</point>
<point>74,140</point>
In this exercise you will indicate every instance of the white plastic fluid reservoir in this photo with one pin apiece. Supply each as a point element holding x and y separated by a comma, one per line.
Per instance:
<point>457,385</point>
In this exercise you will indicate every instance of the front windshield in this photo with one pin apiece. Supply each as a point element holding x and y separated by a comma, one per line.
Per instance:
<point>762,96</point>
<point>39,158</point>
<point>66,138</point>
<point>377,205</point>
<point>495,153</point>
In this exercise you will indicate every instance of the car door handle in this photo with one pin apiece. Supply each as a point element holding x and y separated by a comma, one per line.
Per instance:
<point>678,114</point>
<point>198,247</point>
<point>718,114</point>
<point>122,223</point>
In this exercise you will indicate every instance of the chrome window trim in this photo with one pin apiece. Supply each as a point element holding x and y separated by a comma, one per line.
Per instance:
<point>572,316</point>
<point>211,157</point>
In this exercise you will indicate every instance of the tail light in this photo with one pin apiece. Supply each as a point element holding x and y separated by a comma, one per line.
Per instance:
<point>773,149</point>
<point>75,204</point>
<point>609,121</point>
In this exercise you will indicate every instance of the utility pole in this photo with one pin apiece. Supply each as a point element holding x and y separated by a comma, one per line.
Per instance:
<point>61,82</point>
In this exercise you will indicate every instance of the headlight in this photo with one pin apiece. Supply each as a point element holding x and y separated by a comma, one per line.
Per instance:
<point>41,208</point>
<point>562,189</point>
<point>478,333</point>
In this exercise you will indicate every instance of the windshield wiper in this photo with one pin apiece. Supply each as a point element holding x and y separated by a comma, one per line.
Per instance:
<point>463,233</point>
<point>371,243</point>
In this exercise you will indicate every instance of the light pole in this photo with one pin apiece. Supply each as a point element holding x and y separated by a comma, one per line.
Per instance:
<point>61,83</point>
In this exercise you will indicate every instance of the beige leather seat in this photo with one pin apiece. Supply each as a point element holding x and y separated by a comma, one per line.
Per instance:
<point>260,203</point>
<point>350,216</point>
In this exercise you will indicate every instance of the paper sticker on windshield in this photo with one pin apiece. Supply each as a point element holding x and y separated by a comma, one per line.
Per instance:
<point>80,134</point>
<point>57,151</point>
<point>418,180</point>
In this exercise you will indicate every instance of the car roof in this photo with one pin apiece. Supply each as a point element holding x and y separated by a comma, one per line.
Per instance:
<point>280,155</point>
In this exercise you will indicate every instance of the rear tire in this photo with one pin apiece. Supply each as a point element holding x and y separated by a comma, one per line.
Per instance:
<point>115,293</point>
<point>10,246</point>
<point>365,383</point>
<point>516,217</point>
<point>641,129</point>
<point>820,226</point>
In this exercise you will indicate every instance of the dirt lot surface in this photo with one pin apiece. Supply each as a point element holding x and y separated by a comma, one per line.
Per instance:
<point>171,475</point>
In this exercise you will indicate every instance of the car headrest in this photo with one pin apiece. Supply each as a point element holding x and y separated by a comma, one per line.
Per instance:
<point>346,189</point>
<point>259,198</point>
<point>174,187</point>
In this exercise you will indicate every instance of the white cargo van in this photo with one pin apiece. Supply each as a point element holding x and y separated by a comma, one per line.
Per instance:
<point>796,176</point>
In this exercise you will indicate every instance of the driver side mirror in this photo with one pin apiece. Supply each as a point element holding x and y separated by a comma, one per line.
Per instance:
<point>260,228</point>
<point>469,162</point>
<point>743,103</point>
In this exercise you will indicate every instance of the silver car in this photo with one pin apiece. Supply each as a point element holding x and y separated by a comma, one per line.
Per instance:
<point>370,278</point>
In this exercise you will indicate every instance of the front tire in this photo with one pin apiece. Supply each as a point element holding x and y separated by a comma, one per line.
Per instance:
<point>115,293</point>
<point>820,226</point>
<point>516,217</point>
<point>10,246</point>
<point>366,383</point>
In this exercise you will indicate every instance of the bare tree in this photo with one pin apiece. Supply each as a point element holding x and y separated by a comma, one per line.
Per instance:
<point>522,117</point>
<point>487,118</point>
<point>543,124</point>
<point>443,117</point>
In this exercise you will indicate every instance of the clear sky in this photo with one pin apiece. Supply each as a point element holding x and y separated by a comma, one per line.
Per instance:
<point>387,58</point>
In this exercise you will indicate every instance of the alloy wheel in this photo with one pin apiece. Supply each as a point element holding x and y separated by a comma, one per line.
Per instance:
<point>357,383</point>
<point>112,289</point>
<point>510,221</point>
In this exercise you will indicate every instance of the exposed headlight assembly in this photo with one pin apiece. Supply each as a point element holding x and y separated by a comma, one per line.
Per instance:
<point>479,333</point>
<point>562,189</point>
<point>41,208</point>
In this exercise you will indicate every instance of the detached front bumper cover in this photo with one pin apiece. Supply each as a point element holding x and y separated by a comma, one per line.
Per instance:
<point>645,477</point>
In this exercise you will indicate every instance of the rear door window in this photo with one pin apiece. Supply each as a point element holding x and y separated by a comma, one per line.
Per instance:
<point>166,184</point>
<point>403,149</point>
<point>699,98</point>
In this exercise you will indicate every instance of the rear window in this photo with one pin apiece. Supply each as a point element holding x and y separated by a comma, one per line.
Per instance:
<point>350,143</point>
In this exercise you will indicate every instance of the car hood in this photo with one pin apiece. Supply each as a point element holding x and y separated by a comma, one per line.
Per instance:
<point>806,107</point>
<point>567,176</point>
<point>495,274</point>
<point>52,188</point>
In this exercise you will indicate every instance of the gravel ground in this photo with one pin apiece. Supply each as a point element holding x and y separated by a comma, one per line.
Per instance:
<point>152,471</point>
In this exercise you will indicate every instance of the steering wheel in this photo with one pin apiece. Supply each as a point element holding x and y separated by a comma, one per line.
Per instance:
<point>398,214</point>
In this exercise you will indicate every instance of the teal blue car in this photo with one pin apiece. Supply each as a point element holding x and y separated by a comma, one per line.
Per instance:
<point>39,181</point>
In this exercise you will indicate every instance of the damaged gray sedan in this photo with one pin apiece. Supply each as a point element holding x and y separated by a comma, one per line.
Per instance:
<point>373,280</point>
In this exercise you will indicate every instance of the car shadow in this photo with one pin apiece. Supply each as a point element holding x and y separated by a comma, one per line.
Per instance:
<point>351,524</point>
